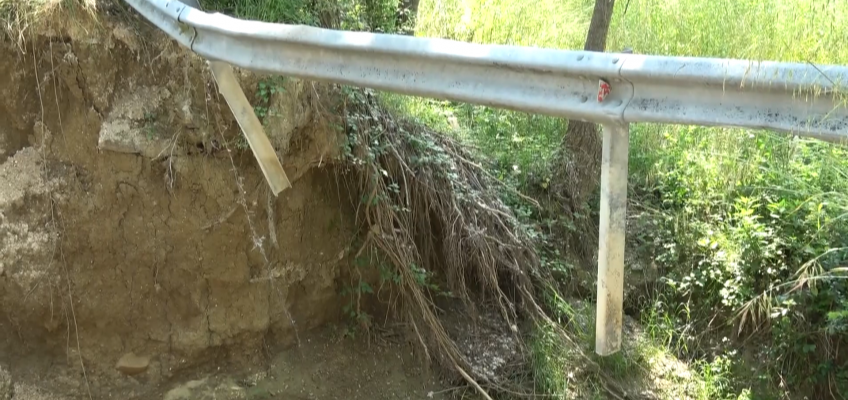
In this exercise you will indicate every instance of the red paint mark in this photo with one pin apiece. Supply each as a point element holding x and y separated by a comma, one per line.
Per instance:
<point>603,90</point>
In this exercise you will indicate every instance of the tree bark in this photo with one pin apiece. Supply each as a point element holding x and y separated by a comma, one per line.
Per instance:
<point>582,141</point>
<point>580,153</point>
<point>596,38</point>
<point>407,12</point>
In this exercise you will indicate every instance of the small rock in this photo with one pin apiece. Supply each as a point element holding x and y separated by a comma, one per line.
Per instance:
<point>127,37</point>
<point>132,364</point>
<point>184,391</point>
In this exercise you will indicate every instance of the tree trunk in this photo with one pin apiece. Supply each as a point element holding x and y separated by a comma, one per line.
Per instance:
<point>596,39</point>
<point>582,141</point>
<point>407,12</point>
<point>580,154</point>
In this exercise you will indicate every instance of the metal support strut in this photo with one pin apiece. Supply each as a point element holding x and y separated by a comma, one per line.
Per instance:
<point>263,150</point>
<point>611,239</point>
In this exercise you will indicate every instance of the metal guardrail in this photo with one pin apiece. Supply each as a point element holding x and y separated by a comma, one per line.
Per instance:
<point>796,98</point>
<point>800,99</point>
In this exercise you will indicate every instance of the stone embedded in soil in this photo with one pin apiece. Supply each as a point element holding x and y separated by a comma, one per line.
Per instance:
<point>214,388</point>
<point>132,364</point>
<point>119,136</point>
<point>127,37</point>
<point>131,125</point>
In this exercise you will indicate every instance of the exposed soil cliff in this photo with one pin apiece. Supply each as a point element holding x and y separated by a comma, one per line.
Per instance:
<point>134,220</point>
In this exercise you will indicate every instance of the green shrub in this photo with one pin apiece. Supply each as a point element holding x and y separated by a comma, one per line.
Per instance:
<point>351,15</point>
<point>753,228</point>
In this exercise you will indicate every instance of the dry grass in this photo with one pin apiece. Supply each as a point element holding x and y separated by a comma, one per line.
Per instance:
<point>435,214</point>
<point>20,17</point>
<point>430,209</point>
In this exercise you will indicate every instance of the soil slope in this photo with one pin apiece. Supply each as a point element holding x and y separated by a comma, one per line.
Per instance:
<point>133,219</point>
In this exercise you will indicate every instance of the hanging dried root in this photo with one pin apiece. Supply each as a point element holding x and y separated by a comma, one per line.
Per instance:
<point>435,215</point>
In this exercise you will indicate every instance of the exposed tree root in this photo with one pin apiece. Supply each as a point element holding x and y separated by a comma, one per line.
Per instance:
<point>435,215</point>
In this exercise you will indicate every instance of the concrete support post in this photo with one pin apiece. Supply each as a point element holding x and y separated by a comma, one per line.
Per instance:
<point>611,248</point>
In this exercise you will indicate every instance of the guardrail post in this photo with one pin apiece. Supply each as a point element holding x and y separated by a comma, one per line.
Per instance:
<point>611,241</point>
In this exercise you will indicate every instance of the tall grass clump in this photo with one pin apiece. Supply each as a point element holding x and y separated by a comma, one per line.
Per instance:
<point>18,17</point>
<point>748,231</point>
<point>748,228</point>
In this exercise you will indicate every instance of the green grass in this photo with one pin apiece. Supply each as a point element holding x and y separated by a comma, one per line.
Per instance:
<point>784,30</point>
<point>646,364</point>
<point>732,219</point>
<point>510,140</point>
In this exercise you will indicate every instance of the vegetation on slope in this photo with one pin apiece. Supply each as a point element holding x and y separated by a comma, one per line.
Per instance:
<point>746,229</point>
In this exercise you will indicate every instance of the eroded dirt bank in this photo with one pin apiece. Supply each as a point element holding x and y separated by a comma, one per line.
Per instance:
<point>132,220</point>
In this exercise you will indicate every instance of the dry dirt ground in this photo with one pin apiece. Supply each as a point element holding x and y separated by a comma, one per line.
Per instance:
<point>134,223</point>
<point>325,365</point>
<point>329,366</point>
